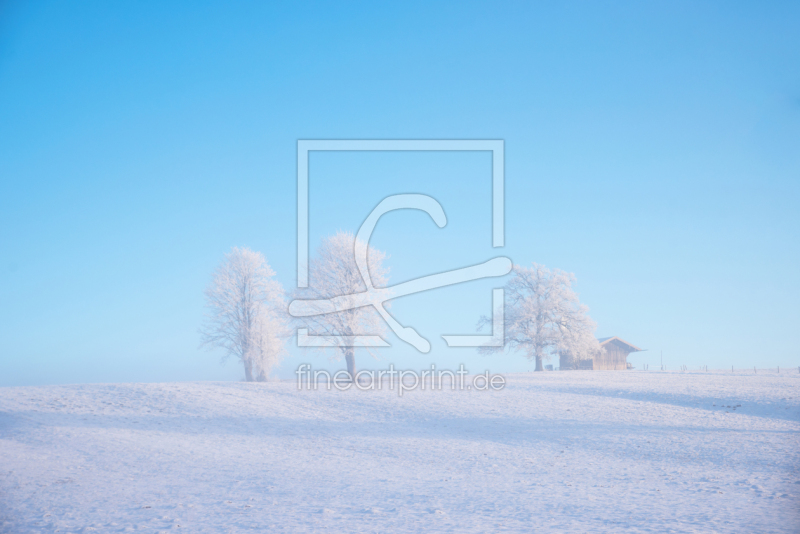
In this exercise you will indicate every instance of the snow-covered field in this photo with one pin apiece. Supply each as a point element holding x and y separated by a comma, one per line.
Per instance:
<point>580,451</point>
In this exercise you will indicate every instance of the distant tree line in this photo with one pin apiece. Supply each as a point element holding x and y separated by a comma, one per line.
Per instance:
<point>247,313</point>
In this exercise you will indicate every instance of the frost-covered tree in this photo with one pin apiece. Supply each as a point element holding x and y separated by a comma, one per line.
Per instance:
<point>543,316</point>
<point>334,273</point>
<point>246,313</point>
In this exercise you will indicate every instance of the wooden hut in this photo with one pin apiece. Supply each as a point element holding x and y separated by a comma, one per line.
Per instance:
<point>614,357</point>
<point>616,354</point>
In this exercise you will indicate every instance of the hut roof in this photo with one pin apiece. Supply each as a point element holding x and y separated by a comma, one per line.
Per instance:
<point>606,340</point>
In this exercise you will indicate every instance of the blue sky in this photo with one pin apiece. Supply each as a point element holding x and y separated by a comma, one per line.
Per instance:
<point>651,149</point>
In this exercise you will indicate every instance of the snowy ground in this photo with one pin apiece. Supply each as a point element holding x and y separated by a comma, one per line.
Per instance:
<point>580,451</point>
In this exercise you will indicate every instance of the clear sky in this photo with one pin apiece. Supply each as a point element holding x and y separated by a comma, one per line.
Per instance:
<point>652,148</point>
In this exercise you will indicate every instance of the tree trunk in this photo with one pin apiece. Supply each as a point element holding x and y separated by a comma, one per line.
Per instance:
<point>350,358</point>
<point>539,364</point>
<point>248,370</point>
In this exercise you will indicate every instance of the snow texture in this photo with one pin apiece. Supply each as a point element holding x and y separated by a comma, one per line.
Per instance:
<point>578,451</point>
